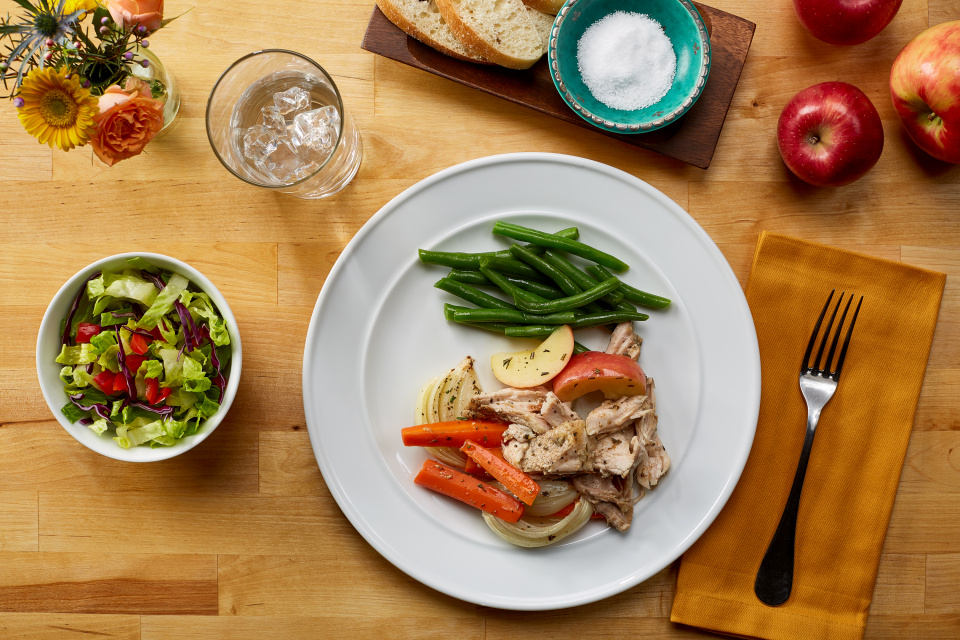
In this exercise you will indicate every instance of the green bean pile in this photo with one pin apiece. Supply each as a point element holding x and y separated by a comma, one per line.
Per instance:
<point>547,289</point>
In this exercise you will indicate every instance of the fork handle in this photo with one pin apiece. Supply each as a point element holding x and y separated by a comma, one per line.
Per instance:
<point>775,576</point>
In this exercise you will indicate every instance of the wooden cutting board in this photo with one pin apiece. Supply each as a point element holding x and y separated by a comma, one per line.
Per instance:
<point>691,139</point>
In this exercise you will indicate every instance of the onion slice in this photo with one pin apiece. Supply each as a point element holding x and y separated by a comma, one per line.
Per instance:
<point>526,534</point>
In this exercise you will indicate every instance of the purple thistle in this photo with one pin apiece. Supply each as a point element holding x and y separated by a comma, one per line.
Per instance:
<point>145,63</point>
<point>128,55</point>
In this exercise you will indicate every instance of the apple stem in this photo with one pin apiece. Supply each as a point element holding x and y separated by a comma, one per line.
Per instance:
<point>813,139</point>
<point>931,116</point>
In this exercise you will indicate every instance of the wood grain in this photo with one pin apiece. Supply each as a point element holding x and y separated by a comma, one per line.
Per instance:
<point>240,537</point>
<point>691,139</point>
<point>120,583</point>
<point>19,516</point>
<point>67,626</point>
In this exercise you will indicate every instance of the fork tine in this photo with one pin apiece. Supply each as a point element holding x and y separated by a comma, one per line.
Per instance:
<point>846,341</point>
<point>826,336</point>
<point>836,337</point>
<point>805,366</point>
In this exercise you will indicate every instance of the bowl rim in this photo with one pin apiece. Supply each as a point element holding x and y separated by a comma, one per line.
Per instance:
<point>50,324</point>
<point>706,55</point>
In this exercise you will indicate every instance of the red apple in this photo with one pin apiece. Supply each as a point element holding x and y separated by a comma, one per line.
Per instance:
<point>846,21</point>
<point>830,134</point>
<point>615,375</point>
<point>925,89</point>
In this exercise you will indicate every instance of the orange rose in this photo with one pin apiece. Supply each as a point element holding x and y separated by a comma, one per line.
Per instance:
<point>131,13</point>
<point>128,120</point>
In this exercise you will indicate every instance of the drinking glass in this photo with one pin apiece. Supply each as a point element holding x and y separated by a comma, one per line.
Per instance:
<point>236,104</point>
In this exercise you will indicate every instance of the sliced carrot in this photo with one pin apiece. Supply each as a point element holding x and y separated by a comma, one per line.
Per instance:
<point>458,485</point>
<point>454,433</point>
<point>476,470</point>
<point>519,483</point>
<point>563,513</point>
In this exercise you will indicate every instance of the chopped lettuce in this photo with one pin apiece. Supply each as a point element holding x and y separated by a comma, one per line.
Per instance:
<point>143,265</point>
<point>163,303</point>
<point>80,354</point>
<point>133,437</point>
<point>102,303</point>
<point>182,398</point>
<point>108,319</point>
<point>100,426</point>
<point>82,379</point>
<point>73,412</point>
<point>151,369</point>
<point>202,306</point>
<point>66,375</point>
<point>128,287</point>
<point>108,359</point>
<point>197,384</point>
<point>103,341</point>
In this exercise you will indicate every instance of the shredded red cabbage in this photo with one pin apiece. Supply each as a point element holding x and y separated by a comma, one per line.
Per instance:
<point>122,359</point>
<point>139,332</point>
<point>157,282</point>
<point>219,382</point>
<point>85,421</point>
<point>163,411</point>
<point>65,338</point>
<point>190,333</point>
<point>100,409</point>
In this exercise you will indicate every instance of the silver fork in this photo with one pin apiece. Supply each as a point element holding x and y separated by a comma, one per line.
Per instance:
<point>775,576</point>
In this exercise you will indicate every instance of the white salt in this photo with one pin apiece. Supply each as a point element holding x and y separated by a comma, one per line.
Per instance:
<point>626,60</point>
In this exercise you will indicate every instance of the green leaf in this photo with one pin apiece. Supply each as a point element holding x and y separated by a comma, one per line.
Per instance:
<point>208,408</point>
<point>108,319</point>
<point>102,303</point>
<point>108,359</point>
<point>151,368</point>
<point>192,370</point>
<point>100,426</point>
<point>80,354</point>
<point>182,398</point>
<point>94,395</point>
<point>66,375</point>
<point>143,265</point>
<point>103,341</point>
<point>73,412</point>
<point>163,303</point>
<point>200,384</point>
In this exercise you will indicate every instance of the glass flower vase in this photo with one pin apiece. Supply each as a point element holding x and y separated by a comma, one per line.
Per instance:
<point>158,75</point>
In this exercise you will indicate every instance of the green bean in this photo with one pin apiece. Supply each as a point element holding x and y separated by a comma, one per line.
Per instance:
<point>579,348</point>
<point>511,265</point>
<point>469,276</point>
<point>570,302</point>
<point>564,244</point>
<point>511,289</point>
<point>605,318</point>
<point>470,294</point>
<point>515,317</point>
<point>495,327</point>
<point>549,292</point>
<point>530,331</point>
<point>456,260</point>
<point>450,309</point>
<point>583,280</point>
<point>632,293</point>
<point>567,285</point>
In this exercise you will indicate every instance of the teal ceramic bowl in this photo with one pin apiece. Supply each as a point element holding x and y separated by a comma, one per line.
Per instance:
<point>683,25</point>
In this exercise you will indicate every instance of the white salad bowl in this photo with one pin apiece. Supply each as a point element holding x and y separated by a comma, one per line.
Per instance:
<point>48,371</point>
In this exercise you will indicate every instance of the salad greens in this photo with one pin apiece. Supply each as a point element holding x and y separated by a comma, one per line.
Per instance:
<point>145,353</point>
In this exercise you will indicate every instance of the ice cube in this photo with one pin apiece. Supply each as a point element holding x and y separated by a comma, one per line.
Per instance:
<point>293,100</point>
<point>273,119</point>
<point>259,142</point>
<point>315,133</point>
<point>281,164</point>
<point>305,170</point>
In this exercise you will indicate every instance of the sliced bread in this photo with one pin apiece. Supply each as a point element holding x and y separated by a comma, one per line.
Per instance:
<point>421,19</point>
<point>543,23</point>
<point>547,6</point>
<point>499,30</point>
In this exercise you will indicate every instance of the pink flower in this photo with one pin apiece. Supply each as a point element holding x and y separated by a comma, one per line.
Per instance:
<point>128,119</point>
<point>131,13</point>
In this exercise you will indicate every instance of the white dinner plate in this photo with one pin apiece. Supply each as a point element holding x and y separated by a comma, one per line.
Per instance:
<point>378,333</point>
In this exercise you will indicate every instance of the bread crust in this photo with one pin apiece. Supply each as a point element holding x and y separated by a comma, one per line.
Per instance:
<point>395,16</point>
<point>547,6</point>
<point>473,41</point>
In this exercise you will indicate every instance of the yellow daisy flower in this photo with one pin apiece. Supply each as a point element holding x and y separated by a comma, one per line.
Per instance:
<point>55,110</point>
<point>78,5</point>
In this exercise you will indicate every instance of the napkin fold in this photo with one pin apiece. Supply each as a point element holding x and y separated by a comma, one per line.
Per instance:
<point>857,454</point>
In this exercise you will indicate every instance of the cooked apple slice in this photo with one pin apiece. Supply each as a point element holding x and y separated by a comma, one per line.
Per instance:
<point>531,368</point>
<point>616,376</point>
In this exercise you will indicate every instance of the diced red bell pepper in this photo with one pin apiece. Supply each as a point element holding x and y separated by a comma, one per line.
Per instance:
<point>153,390</point>
<point>133,363</point>
<point>120,383</point>
<point>105,381</point>
<point>139,344</point>
<point>155,332</point>
<point>85,331</point>
<point>164,394</point>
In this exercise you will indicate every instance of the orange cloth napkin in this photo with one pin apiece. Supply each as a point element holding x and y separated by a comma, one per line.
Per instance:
<point>857,453</point>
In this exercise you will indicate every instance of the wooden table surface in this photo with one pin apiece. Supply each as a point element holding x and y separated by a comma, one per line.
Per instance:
<point>239,538</point>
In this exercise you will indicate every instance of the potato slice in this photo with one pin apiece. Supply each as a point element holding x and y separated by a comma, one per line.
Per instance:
<point>525,369</point>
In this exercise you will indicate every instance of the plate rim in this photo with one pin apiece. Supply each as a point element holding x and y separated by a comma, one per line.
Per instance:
<point>347,506</point>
